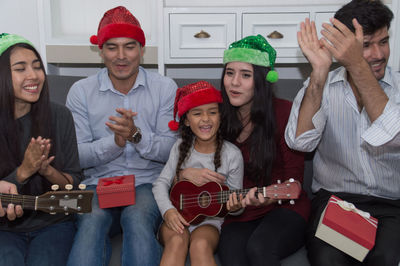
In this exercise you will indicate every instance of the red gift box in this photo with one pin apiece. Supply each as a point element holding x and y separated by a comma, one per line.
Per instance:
<point>347,228</point>
<point>116,191</point>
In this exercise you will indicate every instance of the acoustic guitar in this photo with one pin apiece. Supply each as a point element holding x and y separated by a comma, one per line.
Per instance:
<point>195,203</point>
<point>73,201</point>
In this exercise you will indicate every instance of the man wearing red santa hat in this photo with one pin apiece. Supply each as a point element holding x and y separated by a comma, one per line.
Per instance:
<point>121,117</point>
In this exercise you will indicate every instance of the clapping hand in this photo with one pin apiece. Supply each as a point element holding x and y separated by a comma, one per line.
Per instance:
<point>313,49</point>
<point>35,158</point>
<point>122,126</point>
<point>345,46</point>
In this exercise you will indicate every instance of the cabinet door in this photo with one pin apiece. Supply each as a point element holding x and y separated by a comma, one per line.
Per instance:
<point>280,29</point>
<point>200,35</point>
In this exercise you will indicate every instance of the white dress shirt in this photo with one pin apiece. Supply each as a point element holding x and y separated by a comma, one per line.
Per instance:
<point>352,154</point>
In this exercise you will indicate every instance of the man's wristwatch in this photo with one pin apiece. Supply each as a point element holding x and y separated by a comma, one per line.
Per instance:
<point>137,136</point>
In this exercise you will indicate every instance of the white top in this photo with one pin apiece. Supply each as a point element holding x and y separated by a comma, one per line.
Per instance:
<point>352,154</point>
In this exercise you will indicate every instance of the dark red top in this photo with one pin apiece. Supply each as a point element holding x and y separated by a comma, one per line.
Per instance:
<point>288,164</point>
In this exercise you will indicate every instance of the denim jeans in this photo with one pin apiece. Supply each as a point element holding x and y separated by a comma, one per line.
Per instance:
<point>48,246</point>
<point>139,222</point>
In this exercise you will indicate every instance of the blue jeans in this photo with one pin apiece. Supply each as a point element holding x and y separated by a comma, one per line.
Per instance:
<point>48,246</point>
<point>139,222</point>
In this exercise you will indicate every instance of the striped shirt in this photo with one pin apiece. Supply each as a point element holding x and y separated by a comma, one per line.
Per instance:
<point>352,154</point>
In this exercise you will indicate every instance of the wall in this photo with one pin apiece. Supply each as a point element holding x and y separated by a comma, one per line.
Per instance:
<point>21,17</point>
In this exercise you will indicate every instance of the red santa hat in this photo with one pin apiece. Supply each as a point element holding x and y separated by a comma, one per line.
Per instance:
<point>191,96</point>
<point>118,22</point>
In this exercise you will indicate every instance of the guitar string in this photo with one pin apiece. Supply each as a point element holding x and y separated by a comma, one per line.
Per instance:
<point>196,203</point>
<point>25,200</point>
<point>192,199</point>
<point>26,204</point>
<point>17,197</point>
<point>238,191</point>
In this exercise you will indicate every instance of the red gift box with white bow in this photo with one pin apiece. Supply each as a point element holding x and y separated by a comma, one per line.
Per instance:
<point>347,228</point>
<point>116,191</point>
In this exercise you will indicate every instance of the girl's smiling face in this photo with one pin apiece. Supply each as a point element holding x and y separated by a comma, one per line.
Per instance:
<point>204,121</point>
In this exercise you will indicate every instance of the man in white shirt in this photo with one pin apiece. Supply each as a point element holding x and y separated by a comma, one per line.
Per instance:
<point>351,118</point>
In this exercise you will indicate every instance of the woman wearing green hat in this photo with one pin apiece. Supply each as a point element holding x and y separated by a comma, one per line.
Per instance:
<point>255,120</point>
<point>38,149</point>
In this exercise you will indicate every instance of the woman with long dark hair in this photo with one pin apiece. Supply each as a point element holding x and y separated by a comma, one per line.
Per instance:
<point>254,119</point>
<point>38,149</point>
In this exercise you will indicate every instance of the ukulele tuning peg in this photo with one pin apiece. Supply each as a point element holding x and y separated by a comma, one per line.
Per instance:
<point>82,186</point>
<point>278,181</point>
<point>291,202</point>
<point>68,187</point>
<point>55,187</point>
<point>291,180</point>
<point>280,202</point>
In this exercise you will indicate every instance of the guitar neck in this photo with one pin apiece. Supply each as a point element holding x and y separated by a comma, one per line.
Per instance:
<point>288,190</point>
<point>224,195</point>
<point>73,201</point>
<point>27,202</point>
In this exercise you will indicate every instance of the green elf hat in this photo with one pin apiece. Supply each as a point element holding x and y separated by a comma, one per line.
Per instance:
<point>254,50</point>
<point>8,40</point>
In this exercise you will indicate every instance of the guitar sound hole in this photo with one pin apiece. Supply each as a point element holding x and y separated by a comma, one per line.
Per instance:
<point>204,199</point>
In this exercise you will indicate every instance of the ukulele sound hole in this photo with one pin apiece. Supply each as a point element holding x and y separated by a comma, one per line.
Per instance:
<point>204,199</point>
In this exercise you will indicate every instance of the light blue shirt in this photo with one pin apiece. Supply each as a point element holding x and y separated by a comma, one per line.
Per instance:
<point>94,99</point>
<point>352,154</point>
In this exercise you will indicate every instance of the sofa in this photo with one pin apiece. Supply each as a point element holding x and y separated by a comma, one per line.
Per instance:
<point>284,88</point>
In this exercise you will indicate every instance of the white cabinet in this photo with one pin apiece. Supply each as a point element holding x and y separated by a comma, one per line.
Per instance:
<point>221,22</point>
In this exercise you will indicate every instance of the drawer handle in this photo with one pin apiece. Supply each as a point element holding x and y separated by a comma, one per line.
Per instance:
<point>202,35</point>
<point>275,35</point>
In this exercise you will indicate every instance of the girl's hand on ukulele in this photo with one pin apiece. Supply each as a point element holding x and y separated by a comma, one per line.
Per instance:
<point>253,199</point>
<point>201,176</point>
<point>175,221</point>
<point>234,203</point>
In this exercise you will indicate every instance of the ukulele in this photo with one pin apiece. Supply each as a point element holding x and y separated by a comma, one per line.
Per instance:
<point>73,201</point>
<point>195,203</point>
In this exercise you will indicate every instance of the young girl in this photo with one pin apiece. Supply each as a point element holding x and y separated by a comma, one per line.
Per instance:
<point>200,146</point>
<point>38,149</point>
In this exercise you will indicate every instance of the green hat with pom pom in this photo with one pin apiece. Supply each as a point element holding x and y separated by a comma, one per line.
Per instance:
<point>254,50</point>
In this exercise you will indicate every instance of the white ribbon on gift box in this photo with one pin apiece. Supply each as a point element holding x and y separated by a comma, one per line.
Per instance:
<point>347,206</point>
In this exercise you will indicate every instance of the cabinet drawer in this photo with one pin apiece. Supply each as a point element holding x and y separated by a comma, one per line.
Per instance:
<point>287,24</point>
<point>200,35</point>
